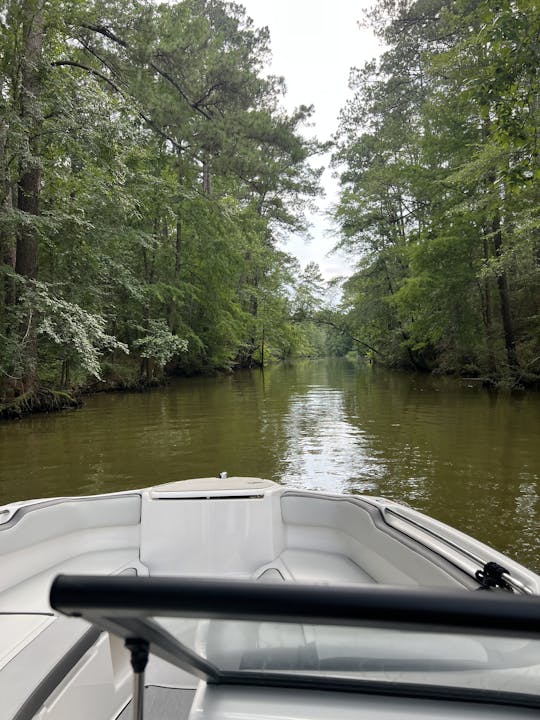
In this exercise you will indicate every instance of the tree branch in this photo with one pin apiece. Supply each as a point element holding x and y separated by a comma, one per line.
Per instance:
<point>345,331</point>
<point>116,88</point>
<point>91,70</point>
<point>206,95</point>
<point>108,33</point>
<point>179,88</point>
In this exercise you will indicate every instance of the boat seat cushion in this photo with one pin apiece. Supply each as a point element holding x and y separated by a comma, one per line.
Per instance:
<point>40,642</point>
<point>348,528</point>
<point>90,535</point>
<point>17,631</point>
<point>32,595</point>
<point>314,566</point>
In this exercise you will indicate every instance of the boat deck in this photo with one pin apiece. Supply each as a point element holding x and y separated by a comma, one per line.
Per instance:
<point>163,703</point>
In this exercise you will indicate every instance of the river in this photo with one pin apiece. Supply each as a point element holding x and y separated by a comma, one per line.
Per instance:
<point>445,447</point>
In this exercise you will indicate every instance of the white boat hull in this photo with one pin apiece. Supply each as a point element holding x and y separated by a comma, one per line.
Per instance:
<point>243,528</point>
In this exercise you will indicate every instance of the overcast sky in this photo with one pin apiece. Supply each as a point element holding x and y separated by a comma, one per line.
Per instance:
<point>314,45</point>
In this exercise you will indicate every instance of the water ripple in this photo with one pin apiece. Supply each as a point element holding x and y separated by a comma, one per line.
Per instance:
<point>325,451</point>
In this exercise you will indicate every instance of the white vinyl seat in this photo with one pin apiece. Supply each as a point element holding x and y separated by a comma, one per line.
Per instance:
<point>99,536</point>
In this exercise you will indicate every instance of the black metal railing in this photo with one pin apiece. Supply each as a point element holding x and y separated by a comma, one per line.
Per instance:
<point>95,597</point>
<point>127,607</point>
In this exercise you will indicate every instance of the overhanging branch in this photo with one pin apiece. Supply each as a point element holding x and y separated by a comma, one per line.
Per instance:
<point>345,331</point>
<point>116,88</point>
<point>91,70</point>
<point>108,33</point>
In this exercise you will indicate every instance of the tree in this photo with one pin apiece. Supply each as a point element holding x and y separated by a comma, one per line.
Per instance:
<point>438,150</point>
<point>155,170</point>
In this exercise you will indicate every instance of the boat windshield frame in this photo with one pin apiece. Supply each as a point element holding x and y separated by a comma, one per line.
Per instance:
<point>130,606</point>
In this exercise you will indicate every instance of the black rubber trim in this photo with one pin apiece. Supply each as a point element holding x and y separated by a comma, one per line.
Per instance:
<point>382,687</point>
<point>56,675</point>
<point>209,497</point>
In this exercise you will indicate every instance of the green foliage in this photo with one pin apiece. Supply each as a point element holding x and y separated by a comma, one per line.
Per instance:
<point>438,156</point>
<point>159,343</point>
<point>167,169</point>
<point>80,334</point>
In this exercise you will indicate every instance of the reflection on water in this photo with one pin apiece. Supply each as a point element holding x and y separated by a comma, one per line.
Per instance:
<point>447,448</point>
<point>324,451</point>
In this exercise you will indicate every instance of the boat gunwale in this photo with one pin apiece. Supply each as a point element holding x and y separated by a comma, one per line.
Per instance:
<point>379,509</point>
<point>18,510</point>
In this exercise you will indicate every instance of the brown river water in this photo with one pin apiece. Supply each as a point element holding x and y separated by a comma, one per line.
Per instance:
<point>448,448</point>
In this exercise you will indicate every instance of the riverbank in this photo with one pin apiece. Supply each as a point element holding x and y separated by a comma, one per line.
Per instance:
<point>40,400</point>
<point>45,397</point>
<point>123,378</point>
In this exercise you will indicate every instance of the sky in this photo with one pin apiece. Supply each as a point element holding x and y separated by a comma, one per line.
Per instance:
<point>314,45</point>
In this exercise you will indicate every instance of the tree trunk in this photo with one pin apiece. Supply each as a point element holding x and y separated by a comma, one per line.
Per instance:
<point>177,249</point>
<point>405,335</point>
<point>7,240</point>
<point>64,375</point>
<point>26,263</point>
<point>254,312</point>
<point>27,241</point>
<point>7,257</point>
<point>488,314</point>
<point>30,112</point>
<point>502,284</point>
<point>173,308</point>
<point>207,182</point>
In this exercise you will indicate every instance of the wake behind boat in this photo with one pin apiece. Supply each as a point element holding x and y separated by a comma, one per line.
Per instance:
<point>257,596</point>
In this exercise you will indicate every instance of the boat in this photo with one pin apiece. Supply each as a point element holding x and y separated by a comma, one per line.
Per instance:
<point>241,598</point>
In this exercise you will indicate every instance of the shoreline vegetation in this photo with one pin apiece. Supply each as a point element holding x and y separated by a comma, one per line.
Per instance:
<point>438,154</point>
<point>149,175</point>
<point>47,400</point>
